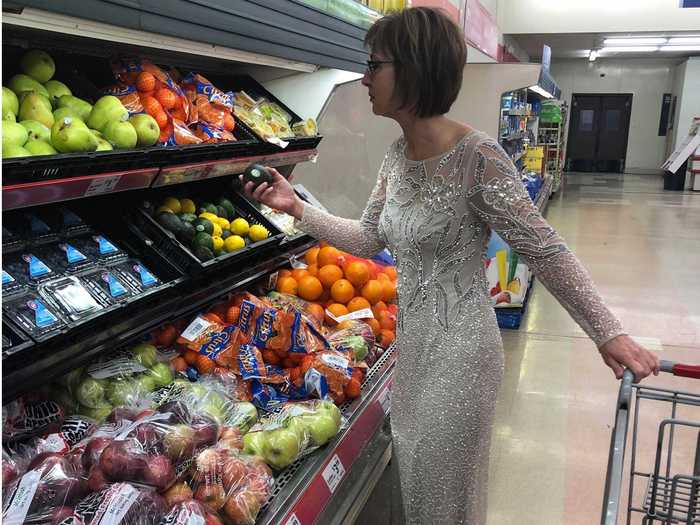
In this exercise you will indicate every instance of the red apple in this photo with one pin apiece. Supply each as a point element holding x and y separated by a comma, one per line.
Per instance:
<point>212,494</point>
<point>97,480</point>
<point>242,508</point>
<point>159,472</point>
<point>93,450</point>
<point>178,493</point>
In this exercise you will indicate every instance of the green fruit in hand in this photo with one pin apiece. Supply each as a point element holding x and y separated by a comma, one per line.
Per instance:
<point>61,113</point>
<point>161,374</point>
<point>20,83</point>
<point>12,151</point>
<point>9,101</point>
<point>39,147</point>
<point>80,106</point>
<point>120,134</point>
<point>38,64</point>
<point>13,134</point>
<point>107,109</point>
<point>36,130</point>
<point>147,129</point>
<point>144,354</point>
<point>72,135</point>
<point>34,107</point>
<point>56,90</point>
<point>90,393</point>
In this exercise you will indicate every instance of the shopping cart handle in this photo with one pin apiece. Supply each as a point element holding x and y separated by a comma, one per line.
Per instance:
<point>681,370</point>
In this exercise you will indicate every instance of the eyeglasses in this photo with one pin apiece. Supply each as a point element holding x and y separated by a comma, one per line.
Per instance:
<point>374,65</point>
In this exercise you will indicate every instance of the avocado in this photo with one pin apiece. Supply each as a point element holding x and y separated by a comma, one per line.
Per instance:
<point>257,174</point>
<point>203,239</point>
<point>228,206</point>
<point>221,212</point>
<point>225,234</point>
<point>219,252</point>
<point>186,233</point>
<point>169,221</point>
<point>207,207</point>
<point>203,253</point>
<point>203,225</point>
<point>187,217</point>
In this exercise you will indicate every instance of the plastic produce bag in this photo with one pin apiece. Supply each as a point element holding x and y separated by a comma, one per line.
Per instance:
<point>213,107</point>
<point>24,418</point>
<point>355,338</point>
<point>119,504</point>
<point>190,512</point>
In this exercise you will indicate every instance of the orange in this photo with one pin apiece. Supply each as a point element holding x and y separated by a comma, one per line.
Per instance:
<point>229,122</point>
<point>337,310</point>
<point>323,244</point>
<point>151,105</point>
<point>342,291</point>
<point>310,288</point>
<point>179,114</point>
<point>311,257</point>
<point>383,277</point>
<point>389,292</point>
<point>373,291</point>
<point>191,357</point>
<point>387,320</point>
<point>145,81</point>
<point>391,272</point>
<point>166,97</point>
<point>179,364</point>
<point>329,274</point>
<point>284,273</point>
<point>352,389</point>
<point>378,307</point>
<point>358,303</point>
<point>316,310</point>
<point>313,269</point>
<point>386,337</point>
<point>357,273</point>
<point>374,325</point>
<point>393,309</point>
<point>328,255</point>
<point>298,273</point>
<point>232,314</point>
<point>162,119</point>
<point>287,285</point>
<point>204,364</point>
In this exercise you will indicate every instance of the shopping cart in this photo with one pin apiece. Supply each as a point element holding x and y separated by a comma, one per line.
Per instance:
<point>670,496</point>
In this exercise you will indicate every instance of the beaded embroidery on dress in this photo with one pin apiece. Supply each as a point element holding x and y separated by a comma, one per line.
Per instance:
<point>435,217</point>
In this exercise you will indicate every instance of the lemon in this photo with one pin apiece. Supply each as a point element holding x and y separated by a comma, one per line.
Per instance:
<point>164,208</point>
<point>217,230</point>
<point>173,204</point>
<point>218,242</point>
<point>234,243</point>
<point>258,233</point>
<point>208,216</point>
<point>225,225</point>
<point>240,226</point>
<point>187,206</point>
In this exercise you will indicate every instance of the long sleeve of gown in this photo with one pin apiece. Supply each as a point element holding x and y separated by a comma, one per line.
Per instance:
<point>499,198</point>
<point>358,237</point>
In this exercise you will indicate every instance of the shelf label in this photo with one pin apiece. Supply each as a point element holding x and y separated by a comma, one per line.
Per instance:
<point>102,185</point>
<point>385,400</point>
<point>333,473</point>
<point>16,512</point>
<point>293,520</point>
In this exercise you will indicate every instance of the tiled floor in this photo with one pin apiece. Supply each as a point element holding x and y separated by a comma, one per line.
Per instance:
<point>555,412</point>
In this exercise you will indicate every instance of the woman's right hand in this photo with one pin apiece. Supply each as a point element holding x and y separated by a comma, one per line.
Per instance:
<point>279,194</point>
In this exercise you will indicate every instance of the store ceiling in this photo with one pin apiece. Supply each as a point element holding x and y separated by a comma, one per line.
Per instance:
<point>578,45</point>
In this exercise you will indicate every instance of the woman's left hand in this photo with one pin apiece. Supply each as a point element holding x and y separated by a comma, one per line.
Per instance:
<point>624,352</point>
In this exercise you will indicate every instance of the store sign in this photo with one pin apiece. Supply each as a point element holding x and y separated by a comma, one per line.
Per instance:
<point>480,28</point>
<point>690,3</point>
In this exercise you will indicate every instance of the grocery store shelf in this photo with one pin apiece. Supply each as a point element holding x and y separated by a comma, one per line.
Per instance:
<point>519,156</point>
<point>513,136</point>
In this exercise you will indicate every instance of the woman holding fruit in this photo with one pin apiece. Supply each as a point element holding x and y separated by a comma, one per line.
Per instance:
<point>441,188</point>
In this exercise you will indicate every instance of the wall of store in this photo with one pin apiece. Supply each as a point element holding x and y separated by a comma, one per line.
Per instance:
<point>646,79</point>
<point>687,90</point>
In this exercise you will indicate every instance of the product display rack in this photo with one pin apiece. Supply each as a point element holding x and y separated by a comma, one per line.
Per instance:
<point>552,136</point>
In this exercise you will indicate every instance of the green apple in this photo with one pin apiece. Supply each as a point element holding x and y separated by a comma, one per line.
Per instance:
<point>72,135</point>
<point>161,374</point>
<point>36,130</point>
<point>13,134</point>
<point>253,443</point>
<point>9,101</point>
<point>20,83</point>
<point>320,426</point>
<point>8,115</point>
<point>146,383</point>
<point>90,393</point>
<point>38,64</point>
<point>144,354</point>
<point>39,147</point>
<point>34,107</point>
<point>56,90</point>
<point>281,447</point>
<point>146,128</point>
<point>98,413</point>
<point>121,392</point>
<point>11,151</point>
<point>121,134</point>
<point>106,109</point>
<point>80,106</point>
<point>332,409</point>
<point>297,425</point>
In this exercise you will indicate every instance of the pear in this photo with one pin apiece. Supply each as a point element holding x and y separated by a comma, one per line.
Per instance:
<point>20,83</point>
<point>38,64</point>
<point>146,128</point>
<point>56,90</point>
<point>14,151</point>
<point>62,113</point>
<point>38,97</point>
<point>105,110</point>
<point>103,145</point>
<point>80,106</point>
<point>9,101</point>
<point>121,134</point>
<point>13,134</point>
<point>8,115</point>
<point>36,130</point>
<point>33,107</point>
<point>39,147</point>
<point>72,135</point>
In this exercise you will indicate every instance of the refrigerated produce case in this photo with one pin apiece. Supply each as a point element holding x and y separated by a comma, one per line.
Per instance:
<point>106,189</point>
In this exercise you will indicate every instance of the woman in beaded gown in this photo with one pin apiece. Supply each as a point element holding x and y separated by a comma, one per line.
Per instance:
<point>441,188</point>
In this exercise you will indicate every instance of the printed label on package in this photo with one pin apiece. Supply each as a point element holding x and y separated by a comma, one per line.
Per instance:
<point>147,278</point>
<point>117,505</point>
<point>72,254</point>
<point>335,361</point>
<point>17,510</point>
<point>106,247</point>
<point>42,316</point>
<point>217,342</point>
<point>115,287</point>
<point>37,268</point>
<point>195,329</point>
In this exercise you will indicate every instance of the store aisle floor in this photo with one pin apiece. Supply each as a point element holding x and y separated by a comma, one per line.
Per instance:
<point>555,410</point>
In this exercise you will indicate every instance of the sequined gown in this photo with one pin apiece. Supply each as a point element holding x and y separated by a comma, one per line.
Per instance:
<point>435,217</point>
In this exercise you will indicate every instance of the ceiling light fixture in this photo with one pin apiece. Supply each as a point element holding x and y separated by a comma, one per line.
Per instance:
<point>592,55</point>
<point>680,41</point>
<point>541,91</point>
<point>630,49</point>
<point>634,41</point>
<point>680,48</point>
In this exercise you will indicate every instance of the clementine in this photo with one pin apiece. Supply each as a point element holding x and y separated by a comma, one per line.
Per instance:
<point>328,255</point>
<point>391,272</point>
<point>287,285</point>
<point>329,274</point>
<point>316,310</point>
<point>337,310</point>
<point>389,292</point>
<point>145,81</point>
<point>374,325</point>
<point>313,269</point>
<point>342,291</point>
<point>310,288</point>
<point>357,273</point>
<point>383,277</point>
<point>166,97</point>
<point>387,320</point>
<point>311,257</point>
<point>386,337</point>
<point>358,303</point>
<point>373,291</point>
<point>284,273</point>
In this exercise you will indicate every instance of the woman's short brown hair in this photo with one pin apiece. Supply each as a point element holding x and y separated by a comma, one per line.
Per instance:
<point>429,54</point>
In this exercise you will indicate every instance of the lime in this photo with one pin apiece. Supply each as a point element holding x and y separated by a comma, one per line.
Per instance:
<point>225,225</point>
<point>240,226</point>
<point>218,243</point>
<point>217,230</point>
<point>187,206</point>
<point>234,243</point>
<point>258,233</point>
<point>173,204</point>
<point>165,209</point>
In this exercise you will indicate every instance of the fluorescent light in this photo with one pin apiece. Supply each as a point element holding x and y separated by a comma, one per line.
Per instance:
<point>684,40</point>
<point>680,48</point>
<point>540,91</point>
<point>630,49</point>
<point>634,41</point>
<point>592,55</point>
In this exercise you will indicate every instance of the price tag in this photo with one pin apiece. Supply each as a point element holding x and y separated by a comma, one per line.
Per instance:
<point>16,512</point>
<point>102,185</point>
<point>365,313</point>
<point>333,473</point>
<point>293,520</point>
<point>195,329</point>
<point>385,400</point>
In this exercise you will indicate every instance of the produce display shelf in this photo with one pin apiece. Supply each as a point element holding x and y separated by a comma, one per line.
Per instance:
<point>332,484</point>
<point>28,194</point>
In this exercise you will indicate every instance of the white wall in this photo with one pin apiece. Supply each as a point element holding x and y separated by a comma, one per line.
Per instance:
<point>595,16</point>
<point>646,79</point>
<point>677,92</point>
<point>688,103</point>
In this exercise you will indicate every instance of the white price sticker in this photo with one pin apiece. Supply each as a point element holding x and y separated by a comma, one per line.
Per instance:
<point>335,361</point>
<point>365,313</point>
<point>195,329</point>
<point>333,473</point>
<point>102,185</point>
<point>117,505</point>
<point>16,512</point>
<point>293,520</point>
<point>385,400</point>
